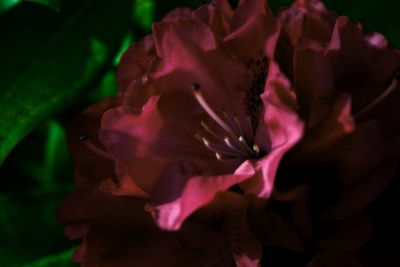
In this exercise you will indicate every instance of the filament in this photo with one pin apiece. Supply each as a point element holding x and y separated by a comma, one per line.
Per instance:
<point>386,93</point>
<point>89,144</point>
<point>203,103</point>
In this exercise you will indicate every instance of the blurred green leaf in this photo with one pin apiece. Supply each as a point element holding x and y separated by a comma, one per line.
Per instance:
<point>128,40</point>
<point>143,13</point>
<point>48,60</point>
<point>7,4</point>
<point>62,259</point>
<point>29,230</point>
<point>55,148</point>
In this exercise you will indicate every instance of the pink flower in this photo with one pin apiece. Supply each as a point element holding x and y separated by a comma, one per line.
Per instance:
<point>222,114</point>
<point>196,118</point>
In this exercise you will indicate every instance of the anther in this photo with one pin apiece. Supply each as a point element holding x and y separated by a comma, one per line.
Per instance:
<point>245,145</point>
<point>83,136</point>
<point>218,156</point>
<point>204,125</point>
<point>206,142</point>
<point>256,149</point>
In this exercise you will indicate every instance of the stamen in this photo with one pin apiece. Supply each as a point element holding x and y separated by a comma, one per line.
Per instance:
<point>236,120</point>
<point>222,158</point>
<point>89,144</point>
<point>208,144</point>
<point>395,84</point>
<point>229,144</point>
<point>203,103</point>
<point>232,121</point>
<point>208,130</point>
<point>256,149</point>
<point>246,146</point>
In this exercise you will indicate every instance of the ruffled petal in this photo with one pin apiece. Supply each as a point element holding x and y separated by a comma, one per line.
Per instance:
<point>226,12</point>
<point>245,10</point>
<point>211,16</point>
<point>258,36</point>
<point>189,53</point>
<point>135,62</point>
<point>313,81</point>
<point>285,129</point>
<point>332,128</point>
<point>195,192</point>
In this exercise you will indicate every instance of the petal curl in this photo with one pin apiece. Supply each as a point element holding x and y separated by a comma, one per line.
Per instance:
<point>196,191</point>
<point>285,129</point>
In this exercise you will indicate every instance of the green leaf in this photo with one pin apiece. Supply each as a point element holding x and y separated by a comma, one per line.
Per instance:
<point>29,231</point>
<point>62,259</point>
<point>143,13</point>
<point>49,60</point>
<point>8,4</point>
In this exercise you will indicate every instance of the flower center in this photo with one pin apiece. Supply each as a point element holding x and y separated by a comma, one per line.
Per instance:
<point>233,145</point>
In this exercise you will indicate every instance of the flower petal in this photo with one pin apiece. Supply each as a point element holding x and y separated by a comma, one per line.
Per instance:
<point>143,150</point>
<point>135,62</point>
<point>189,53</point>
<point>196,191</point>
<point>257,36</point>
<point>245,10</point>
<point>313,81</point>
<point>91,165</point>
<point>285,129</point>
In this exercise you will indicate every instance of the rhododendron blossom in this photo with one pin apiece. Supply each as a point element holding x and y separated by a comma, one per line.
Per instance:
<point>223,113</point>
